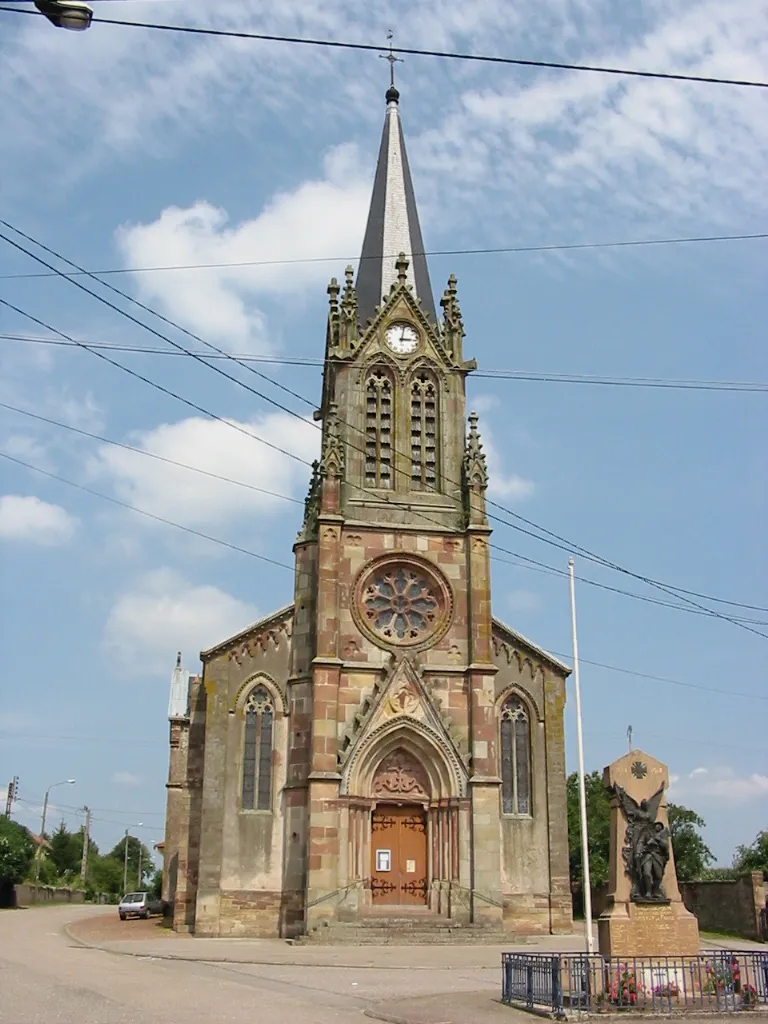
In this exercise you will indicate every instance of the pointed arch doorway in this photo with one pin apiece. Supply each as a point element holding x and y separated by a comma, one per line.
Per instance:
<point>399,861</point>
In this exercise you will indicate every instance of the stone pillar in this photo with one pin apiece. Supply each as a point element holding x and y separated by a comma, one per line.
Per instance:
<point>560,900</point>
<point>631,924</point>
<point>484,783</point>
<point>324,778</point>
<point>208,909</point>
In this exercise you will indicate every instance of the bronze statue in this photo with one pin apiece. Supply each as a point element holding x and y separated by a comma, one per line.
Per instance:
<point>646,850</point>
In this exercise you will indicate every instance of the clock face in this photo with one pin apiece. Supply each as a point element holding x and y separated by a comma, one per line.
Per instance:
<point>402,338</point>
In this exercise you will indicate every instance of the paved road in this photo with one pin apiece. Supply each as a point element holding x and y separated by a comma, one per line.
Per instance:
<point>47,977</point>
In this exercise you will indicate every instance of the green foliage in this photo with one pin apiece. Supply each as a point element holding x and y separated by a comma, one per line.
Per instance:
<point>692,855</point>
<point>66,850</point>
<point>599,828</point>
<point>147,867</point>
<point>105,875</point>
<point>156,885</point>
<point>753,857</point>
<point>16,852</point>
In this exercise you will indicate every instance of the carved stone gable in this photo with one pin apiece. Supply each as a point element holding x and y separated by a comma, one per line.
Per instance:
<point>401,693</point>
<point>401,775</point>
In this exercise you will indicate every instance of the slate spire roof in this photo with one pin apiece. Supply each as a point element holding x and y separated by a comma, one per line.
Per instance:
<point>393,224</point>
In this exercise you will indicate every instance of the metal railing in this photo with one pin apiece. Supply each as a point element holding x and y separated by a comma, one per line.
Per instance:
<point>718,981</point>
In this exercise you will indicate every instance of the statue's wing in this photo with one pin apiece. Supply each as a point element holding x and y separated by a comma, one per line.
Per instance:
<point>628,804</point>
<point>654,801</point>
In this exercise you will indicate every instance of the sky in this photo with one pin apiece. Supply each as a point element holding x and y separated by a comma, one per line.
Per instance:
<point>129,148</point>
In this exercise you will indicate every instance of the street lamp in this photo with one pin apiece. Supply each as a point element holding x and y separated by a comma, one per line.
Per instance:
<point>64,782</point>
<point>139,824</point>
<point>71,14</point>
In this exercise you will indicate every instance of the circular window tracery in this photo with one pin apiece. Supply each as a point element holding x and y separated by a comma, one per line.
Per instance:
<point>402,602</point>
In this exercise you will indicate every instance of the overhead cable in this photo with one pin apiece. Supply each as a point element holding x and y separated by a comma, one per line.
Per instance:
<point>417,52</point>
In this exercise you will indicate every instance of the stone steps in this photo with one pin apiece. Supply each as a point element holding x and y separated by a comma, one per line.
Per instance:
<point>403,931</point>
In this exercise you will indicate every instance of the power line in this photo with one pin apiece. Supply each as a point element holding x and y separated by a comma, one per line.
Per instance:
<point>415,52</point>
<point>492,374</point>
<point>143,512</point>
<point>524,561</point>
<point>550,537</point>
<point>486,251</point>
<point>146,452</point>
<point>154,384</point>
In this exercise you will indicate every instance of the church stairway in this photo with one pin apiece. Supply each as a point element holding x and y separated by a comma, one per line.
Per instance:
<point>402,928</point>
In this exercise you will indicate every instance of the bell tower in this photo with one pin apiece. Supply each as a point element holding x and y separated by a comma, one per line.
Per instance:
<point>392,621</point>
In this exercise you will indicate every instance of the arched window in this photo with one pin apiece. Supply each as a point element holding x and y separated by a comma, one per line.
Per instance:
<point>515,758</point>
<point>257,751</point>
<point>378,429</point>
<point>423,433</point>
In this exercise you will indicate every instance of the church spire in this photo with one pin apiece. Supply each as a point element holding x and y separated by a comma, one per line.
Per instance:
<point>393,222</point>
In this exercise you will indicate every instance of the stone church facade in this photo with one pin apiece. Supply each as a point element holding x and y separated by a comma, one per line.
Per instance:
<point>383,745</point>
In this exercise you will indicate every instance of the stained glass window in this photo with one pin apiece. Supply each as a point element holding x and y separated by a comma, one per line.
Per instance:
<point>423,433</point>
<point>257,751</point>
<point>378,430</point>
<point>515,758</point>
<point>400,605</point>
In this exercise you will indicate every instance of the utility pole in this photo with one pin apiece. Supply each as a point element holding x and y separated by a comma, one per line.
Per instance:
<point>138,882</point>
<point>64,782</point>
<point>86,843</point>
<point>13,792</point>
<point>582,789</point>
<point>125,864</point>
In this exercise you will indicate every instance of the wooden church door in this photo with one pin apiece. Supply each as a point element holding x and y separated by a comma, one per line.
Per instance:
<point>399,855</point>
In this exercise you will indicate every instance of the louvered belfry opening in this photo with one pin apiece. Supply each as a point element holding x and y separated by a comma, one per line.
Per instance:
<point>423,433</point>
<point>378,430</point>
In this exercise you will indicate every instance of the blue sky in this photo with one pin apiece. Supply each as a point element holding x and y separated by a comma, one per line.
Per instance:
<point>126,148</point>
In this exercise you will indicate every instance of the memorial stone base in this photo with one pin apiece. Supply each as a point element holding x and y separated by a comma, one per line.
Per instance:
<point>648,929</point>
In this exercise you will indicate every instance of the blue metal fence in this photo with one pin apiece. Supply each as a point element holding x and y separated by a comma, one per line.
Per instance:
<point>720,981</point>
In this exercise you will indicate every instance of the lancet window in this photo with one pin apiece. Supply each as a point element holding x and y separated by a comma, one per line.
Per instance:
<point>378,429</point>
<point>423,433</point>
<point>257,751</point>
<point>515,758</point>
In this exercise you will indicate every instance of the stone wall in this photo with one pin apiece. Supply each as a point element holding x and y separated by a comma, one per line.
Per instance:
<point>27,893</point>
<point>727,906</point>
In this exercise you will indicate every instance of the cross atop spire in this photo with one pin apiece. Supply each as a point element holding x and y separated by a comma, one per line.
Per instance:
<point>392,61</point>
<point>393,221</point>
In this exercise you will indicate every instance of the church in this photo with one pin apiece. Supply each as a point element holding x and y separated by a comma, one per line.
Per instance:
<point>383,748</point>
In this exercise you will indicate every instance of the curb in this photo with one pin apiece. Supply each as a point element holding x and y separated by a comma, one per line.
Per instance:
<point>138,955</point>
<point>389,1017</point>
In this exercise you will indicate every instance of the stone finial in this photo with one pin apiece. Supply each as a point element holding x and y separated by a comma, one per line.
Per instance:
<point>453,325</point>
<point>401,266</point>
<point>178,659</point>
<point>475,466</point>
<point>349,326</point>
<point>311,505</point>
<point>333,292</point>
<point>332,460</point>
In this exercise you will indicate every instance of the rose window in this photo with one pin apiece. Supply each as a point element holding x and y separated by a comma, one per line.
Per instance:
<point>400,604</point>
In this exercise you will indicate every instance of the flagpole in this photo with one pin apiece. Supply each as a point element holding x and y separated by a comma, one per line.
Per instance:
<point>582,788</point>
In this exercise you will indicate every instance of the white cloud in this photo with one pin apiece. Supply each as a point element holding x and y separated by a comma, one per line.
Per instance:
<point>721,784</point>
<point>554,143</point>
<point>164,613</point>
<point>126,779</point>
<point>318,219</point>
<point>211,445</point>
<point>27,518</point>
<point>501,484</point>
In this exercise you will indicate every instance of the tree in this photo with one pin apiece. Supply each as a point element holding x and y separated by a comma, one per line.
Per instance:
<point>598,828</point>
<point>692,855</point>
<point>134,845</point>
<point>753,857</point>
<point>17,851</point>
<point>105,875</point>
<point>65,850</point>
